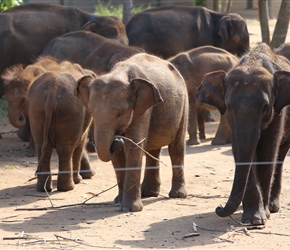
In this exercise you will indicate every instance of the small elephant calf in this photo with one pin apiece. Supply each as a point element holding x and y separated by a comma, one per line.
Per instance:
<point>145,100</point>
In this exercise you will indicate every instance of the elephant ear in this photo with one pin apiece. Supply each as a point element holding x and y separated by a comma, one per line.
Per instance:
<point>145,94</point>
<point>82,90</point>
<point>211,90</point>
<point>282,90</point>
<point>224,29</point>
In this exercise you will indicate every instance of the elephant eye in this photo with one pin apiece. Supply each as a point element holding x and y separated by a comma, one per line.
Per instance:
<point>266,108</point>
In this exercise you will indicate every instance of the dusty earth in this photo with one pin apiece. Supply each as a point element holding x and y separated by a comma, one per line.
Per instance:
<point>33,220</point>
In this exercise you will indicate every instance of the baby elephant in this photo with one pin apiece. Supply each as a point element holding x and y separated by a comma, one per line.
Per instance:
<point>142,100</point>
<point>58,120</point>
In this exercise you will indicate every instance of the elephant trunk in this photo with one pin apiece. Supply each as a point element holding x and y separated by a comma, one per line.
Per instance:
<point>244,146</point>
<point>106,144</point>
<point>17,121</point>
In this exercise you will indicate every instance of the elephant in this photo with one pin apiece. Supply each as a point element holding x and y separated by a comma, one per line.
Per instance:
<point>142,100</point>
<point>253,95</point>
<point>166,31</point>
<point>283,50</point>
<point>193,65</point>
<point>26,29</point>
<point>18,81</point>
<point>90,50</point>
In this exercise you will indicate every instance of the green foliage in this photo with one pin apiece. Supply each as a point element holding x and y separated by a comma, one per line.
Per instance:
<point>6,4</point>
<point>3,111</point>
<point>199,2</point>
<point>108,9</point>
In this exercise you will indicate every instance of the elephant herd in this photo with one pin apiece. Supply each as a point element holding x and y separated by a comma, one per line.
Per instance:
<point>70,76</point>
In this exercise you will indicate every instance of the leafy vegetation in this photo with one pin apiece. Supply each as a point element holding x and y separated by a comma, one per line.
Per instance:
<point>108,9</point>
<point>6,4</point>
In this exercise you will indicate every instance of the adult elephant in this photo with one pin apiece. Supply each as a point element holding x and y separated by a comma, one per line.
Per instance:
<point>193,65</point>
<point>253,94</point>
<point>167,31</point>
<point>18,81</point>
<point>90,50</point>
<point>25,30</point>
<point>144,99</point>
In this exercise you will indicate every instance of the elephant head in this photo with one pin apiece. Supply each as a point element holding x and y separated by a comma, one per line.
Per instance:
<point>232,34</point>
<point>251,96</point>
<point>114,104</point>
<point>109,27</point>
<point>16,84</point>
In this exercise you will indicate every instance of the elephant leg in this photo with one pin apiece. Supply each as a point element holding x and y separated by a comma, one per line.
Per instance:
<point>76,161</point>
<point>192,121</point>
<point>274,204</point>
<point>201,113</point>
<point>224,132</point>
<point>176,151</point>
<point>253,206</point>
<point>31,151</point>
<point>65,180</point>
<point>151,183</point>
<point>132,192</point>
<point>86,171</point>
<point>119,163</point>
<point>43,169</point>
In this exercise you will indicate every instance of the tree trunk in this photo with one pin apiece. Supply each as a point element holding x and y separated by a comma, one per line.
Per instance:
<point>217,5</point>
<point>281,27</point>
<point>127,10</point>
<point>228,6</point>
<point>264,21</point>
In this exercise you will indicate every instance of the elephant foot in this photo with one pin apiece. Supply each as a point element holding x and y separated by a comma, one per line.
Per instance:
<point>217,141</point>
<point>193,141</point>
<point>118,199</point>
<point>44,183</point>
<point>178,192</point>
<point>202,136</point>
<point>209,117</point>
<point>90,147</point>
<point>274,205</point>
<point>29,152</point>
<point>255,217</point>
<point>147,191</point>
<point>63,187</point>
<point>129,206</point>
<point>77,178</point>
<point>87,174</point>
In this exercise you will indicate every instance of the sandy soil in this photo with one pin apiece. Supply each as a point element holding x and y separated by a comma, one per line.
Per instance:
<point>163,223</point>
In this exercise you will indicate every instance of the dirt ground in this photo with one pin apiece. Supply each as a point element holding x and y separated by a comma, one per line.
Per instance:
<point>163,224</point>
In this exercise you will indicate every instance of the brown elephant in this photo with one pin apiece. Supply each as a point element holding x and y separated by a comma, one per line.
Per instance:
<point>18,81</point>
<point>144,99</point>
<point>90,50</point>
<point>193,65</point>
<point>254,95</point>
<point>25,30</point>
<point>166,31</point>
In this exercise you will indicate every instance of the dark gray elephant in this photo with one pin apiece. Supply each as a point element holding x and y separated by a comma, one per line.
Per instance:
<point>144,99</point>
<point>90,50</point>
<point>25,30</point>
<point>193,65</point>
<point>167,31</point>
<point>253,94</point>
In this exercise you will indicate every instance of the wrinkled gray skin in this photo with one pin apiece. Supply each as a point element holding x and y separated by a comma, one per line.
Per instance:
<point>59,120</point>
<point>144,99</point>
<point>193,65</point>
<point>283,50</point>
<point>26,29</point>
<point>167,31</point>
<point>253,93</point>
<point>91,51</point>
<point>17,82</point>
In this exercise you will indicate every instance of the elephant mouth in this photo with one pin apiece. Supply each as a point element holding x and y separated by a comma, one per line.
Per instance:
<point>117,144</point>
